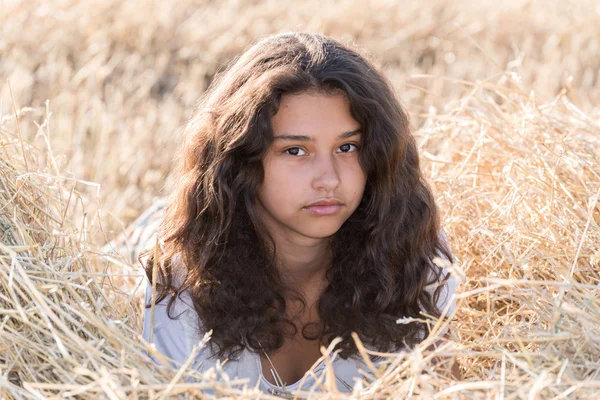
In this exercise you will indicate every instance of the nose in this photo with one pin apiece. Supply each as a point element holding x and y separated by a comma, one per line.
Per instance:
<point>327,177</point>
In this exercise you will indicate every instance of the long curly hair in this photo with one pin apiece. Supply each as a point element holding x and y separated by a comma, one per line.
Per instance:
<point>382,255</point>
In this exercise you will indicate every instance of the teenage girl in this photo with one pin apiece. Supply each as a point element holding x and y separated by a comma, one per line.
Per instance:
<point>300,215</point>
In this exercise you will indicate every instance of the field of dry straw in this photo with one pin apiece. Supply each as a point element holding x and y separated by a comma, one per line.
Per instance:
<point>504,101</point>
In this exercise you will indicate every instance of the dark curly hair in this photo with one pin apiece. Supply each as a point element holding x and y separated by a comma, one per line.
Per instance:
<point>382,255</point>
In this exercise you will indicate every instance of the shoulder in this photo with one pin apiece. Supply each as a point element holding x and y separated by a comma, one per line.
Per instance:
<point>173,337</point>
<point>446,302</point>
<point>183,302</point>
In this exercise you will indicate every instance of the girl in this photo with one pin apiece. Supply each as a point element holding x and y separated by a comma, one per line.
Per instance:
<point>300,215</point>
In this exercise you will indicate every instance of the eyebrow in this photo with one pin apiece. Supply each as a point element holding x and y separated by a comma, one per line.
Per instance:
<point>302,138</point>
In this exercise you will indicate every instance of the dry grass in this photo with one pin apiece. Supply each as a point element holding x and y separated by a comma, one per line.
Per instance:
<point>509,140</point>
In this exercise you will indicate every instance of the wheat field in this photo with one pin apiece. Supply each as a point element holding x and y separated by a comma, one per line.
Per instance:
<point>504,102</point>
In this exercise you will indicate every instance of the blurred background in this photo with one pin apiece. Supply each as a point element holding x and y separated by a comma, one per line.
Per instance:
<point>120,78</point>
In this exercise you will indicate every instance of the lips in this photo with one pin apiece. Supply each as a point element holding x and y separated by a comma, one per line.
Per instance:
<point>325,206</point>
<point>325,202</point>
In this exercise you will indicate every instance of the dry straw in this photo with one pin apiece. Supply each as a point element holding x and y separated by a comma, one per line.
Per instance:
<point>519,183</point>
<point>517,179</point>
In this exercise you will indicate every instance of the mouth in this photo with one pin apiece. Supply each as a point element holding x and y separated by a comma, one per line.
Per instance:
<point>325,207</point>
<point>326,202</point>
<point>324,210</point>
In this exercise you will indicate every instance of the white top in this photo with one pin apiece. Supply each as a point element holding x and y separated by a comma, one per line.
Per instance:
<point>176,339</point>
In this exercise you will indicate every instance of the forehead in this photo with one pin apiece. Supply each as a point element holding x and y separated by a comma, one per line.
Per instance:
<point>313,114</point>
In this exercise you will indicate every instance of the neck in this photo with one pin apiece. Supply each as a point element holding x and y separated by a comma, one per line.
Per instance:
<point>303,266</point>
<point>301,260</point>
<point>303,271</point>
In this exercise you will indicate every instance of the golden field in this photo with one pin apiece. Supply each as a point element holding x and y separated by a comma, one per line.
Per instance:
<point>504,99</point>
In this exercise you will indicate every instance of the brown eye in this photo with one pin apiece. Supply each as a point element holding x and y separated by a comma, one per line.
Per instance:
<point>347,147</point>
<point>293,151</point>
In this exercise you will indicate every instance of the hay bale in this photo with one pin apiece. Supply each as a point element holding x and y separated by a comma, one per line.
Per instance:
<point>517,179</point>
<point>66,328</point>
<point>519,183</point>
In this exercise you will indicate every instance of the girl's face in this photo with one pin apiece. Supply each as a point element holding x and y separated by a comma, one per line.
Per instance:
<point>313,158</point>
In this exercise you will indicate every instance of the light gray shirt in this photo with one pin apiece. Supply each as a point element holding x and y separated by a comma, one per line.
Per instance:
<point>176,339</point>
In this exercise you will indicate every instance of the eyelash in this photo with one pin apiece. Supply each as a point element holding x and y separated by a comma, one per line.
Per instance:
<point>347,152</point>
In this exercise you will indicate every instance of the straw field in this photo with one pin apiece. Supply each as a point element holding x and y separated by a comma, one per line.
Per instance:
<point>503,98</point>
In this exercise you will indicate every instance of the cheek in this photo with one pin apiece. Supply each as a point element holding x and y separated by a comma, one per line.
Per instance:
<point>357,178</point>
<point>275,176</point>
<point>360,191</point>
<point>281,184</point>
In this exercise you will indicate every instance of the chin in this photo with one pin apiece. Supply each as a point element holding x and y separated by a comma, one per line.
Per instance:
<point>323,233</point>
